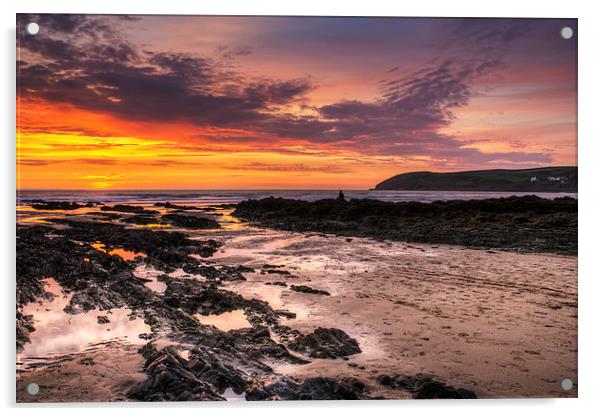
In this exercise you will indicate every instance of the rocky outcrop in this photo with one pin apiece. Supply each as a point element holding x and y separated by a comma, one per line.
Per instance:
<point>318,388</point>
<point>217,273</point>
<point>169,205</point>
<point>325,343</point>
<point>525,224</point>
<point>24,328</point>
<point>423,386</point>
<point>134,209</point>
<point>307,289</point>
<point>170,380</point>
<point>59,205</point>
<point>189,221</point>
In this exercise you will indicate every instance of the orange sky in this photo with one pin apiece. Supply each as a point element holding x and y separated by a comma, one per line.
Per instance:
<point>286,103</point>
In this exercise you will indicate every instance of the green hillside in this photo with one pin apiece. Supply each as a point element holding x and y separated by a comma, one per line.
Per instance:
<point>549,179</point>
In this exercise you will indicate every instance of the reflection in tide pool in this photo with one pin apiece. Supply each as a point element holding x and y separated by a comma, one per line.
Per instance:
<point>152,226</point>
<point>226,321</point>
<point>229,222</point>
<point>58,333</point>
<point>124,254</point>
<point>150,276</point>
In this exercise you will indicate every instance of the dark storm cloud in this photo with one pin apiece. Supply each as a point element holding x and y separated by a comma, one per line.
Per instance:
<point>277,92</point>
<point>83,61</point>
<point>410,111</point>
<point>114,78</point>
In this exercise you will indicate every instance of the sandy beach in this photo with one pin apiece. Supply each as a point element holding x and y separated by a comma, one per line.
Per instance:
<point>493,322</point>
<point>501,324</point>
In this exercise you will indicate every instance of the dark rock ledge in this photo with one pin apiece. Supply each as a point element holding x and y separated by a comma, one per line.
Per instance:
<point>238,359</point>
<point>523,224</point>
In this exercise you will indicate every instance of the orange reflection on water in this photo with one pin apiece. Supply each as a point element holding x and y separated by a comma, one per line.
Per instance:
<point>124,254</point>
<point>229,222</point>
<point>154,225</point>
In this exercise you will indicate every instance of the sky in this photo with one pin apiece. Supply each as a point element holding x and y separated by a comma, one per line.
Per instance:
<point>226,102</point>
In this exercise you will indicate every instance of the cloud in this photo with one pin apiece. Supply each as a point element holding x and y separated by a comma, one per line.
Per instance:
<point>81,161</point>
<point>228,52</point>
<point>101,72</point>
<point>85,62</point>
<point>297,167</point>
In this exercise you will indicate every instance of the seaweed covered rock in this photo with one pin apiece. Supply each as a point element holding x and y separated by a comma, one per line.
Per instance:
<point>526,223</point>
<point>326,343</point>
<point>135,209</point>
<point>423,386</point>
<point>170,380</point>
<point>254,342</point>
<point>217,274</point>
<point>307,289</point>
<point>171,248</point>
<point>169,205</point>
<point>317,388</point>
<point>59,205</point>
<point>25,326</point>
<point>189,221</point>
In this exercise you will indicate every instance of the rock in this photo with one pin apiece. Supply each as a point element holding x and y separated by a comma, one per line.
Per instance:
<point>318,388</point>
<point>223,273</point>
<point>24,328</point>
<point>58,205</point>
<point>109,216</point>
<point>141,219</point>
<point>272,266</point>
<point>307,289</point>
<point>170,380</point>
<point>281,272</point>
<point>171,248</point>
<point>286,314</point>
<point>526,223</point>
<point>249,347</point>
<point>243,269</point>
<point>96,280</point>
<point>325,343</point>
<point>210,368</point>
<point>87,361</point>
<point>276,283</point>
<point>136,209</point>
<point>175,206</point>
<point>189,221</point>
<point>423,386</point>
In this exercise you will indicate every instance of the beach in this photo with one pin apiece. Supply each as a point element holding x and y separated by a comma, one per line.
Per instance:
<point>250,311</point>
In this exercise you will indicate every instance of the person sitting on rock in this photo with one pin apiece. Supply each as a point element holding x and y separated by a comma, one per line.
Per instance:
<point>341,196</point>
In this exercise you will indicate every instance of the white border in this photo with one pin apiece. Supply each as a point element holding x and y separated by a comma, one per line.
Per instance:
<point>590,138</point>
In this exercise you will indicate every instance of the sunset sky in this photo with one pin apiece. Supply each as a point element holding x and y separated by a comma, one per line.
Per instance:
<point>184,102</point>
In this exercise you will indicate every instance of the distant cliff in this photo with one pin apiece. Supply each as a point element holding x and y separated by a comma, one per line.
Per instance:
<point>550,179</point>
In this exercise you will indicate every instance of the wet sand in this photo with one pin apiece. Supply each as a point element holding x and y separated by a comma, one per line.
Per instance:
<point>501,324</point>
<point>99,376</point>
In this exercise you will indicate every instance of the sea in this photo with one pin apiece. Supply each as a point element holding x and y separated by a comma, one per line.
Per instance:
<point>218,197</point>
